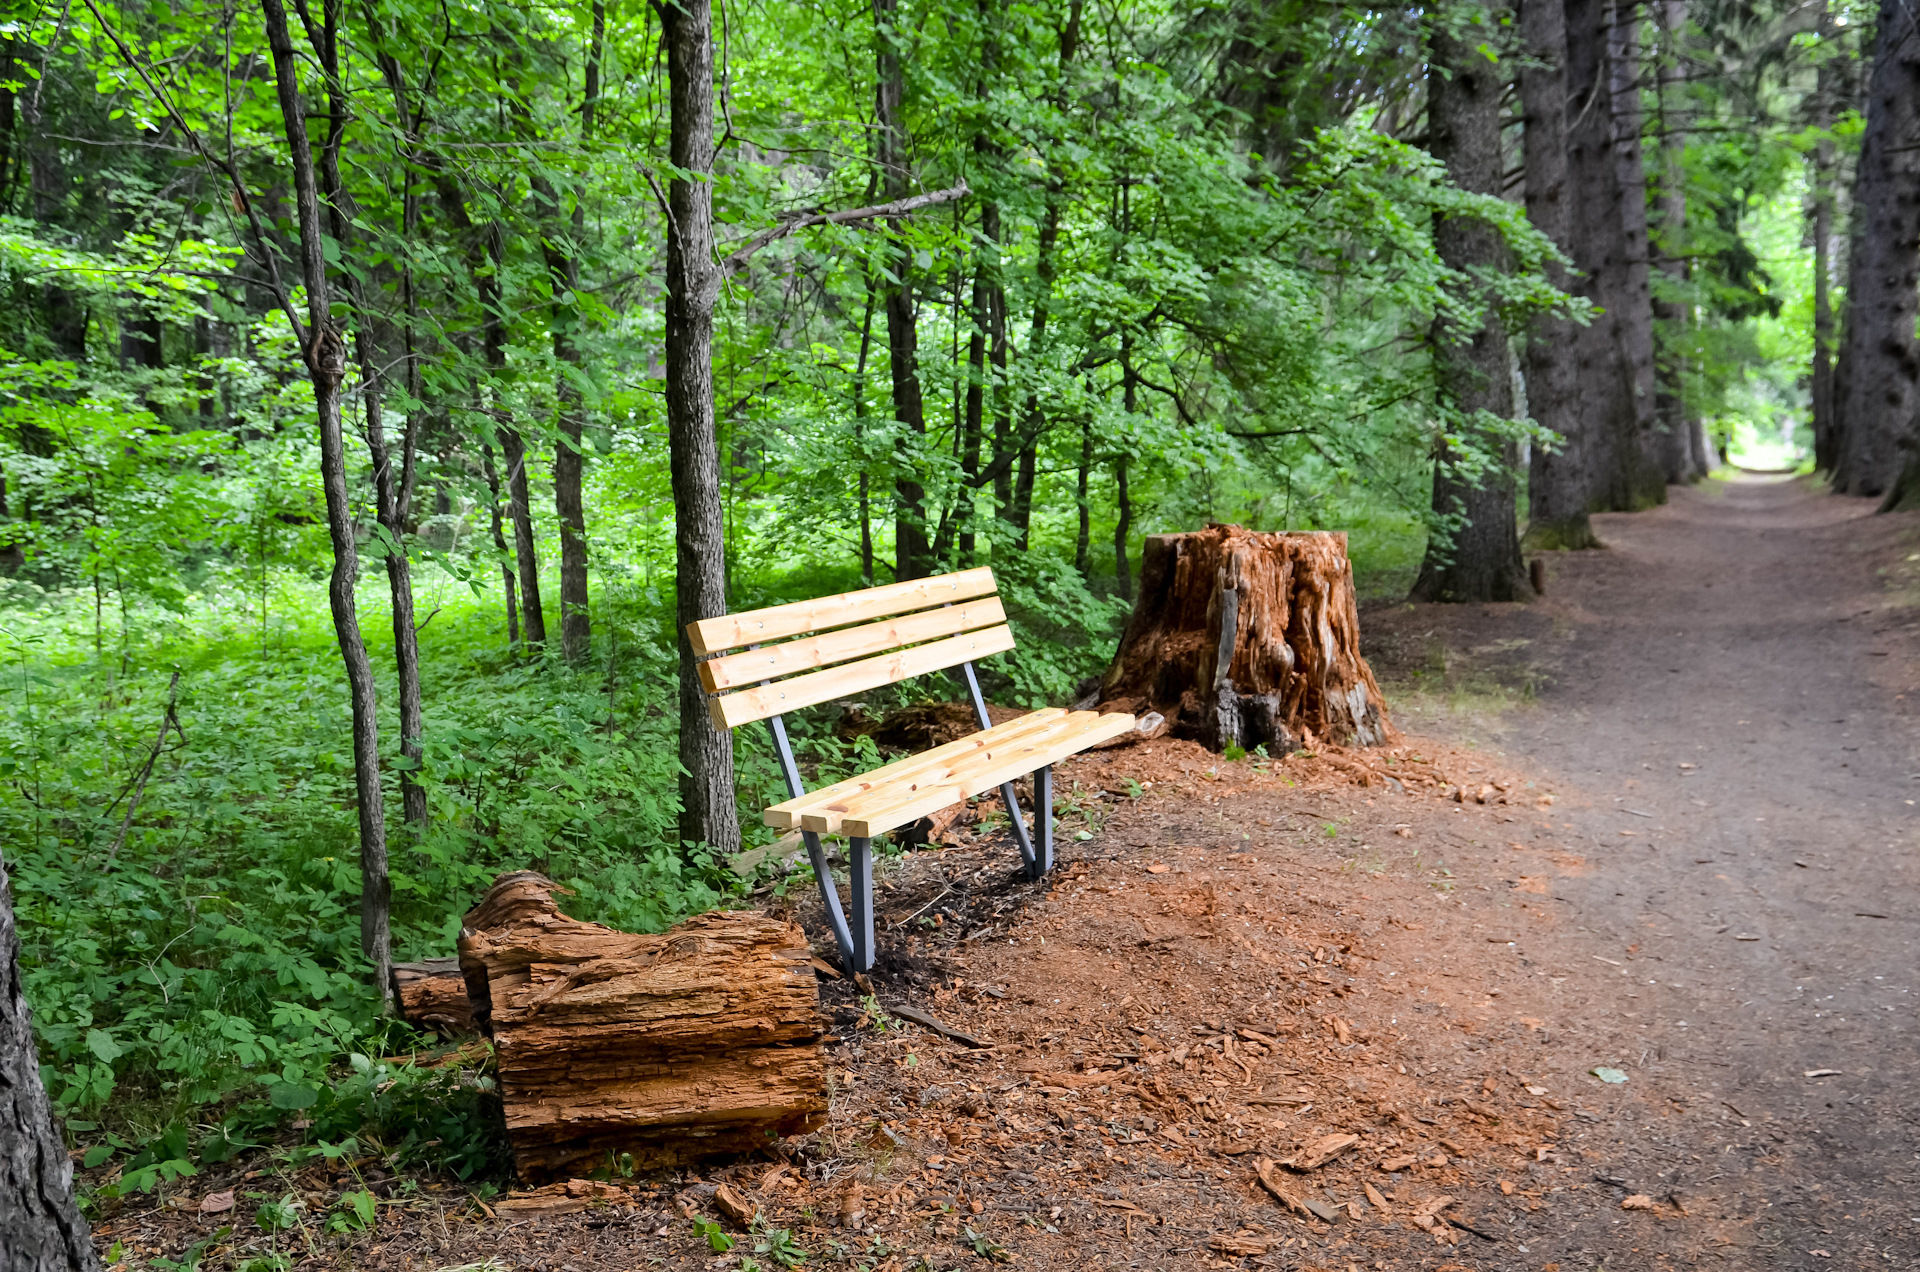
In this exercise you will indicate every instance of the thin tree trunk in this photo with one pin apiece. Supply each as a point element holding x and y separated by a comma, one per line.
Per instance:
<point>1083,540</point>
<point>1822,181</point>
<point>569,458</point>
<point>1482,563</point>
<point>1670,368</point>
<point>911,552</point>
<point>1641,475</point>
<point>973,419</point>
<point>709,814</point>
<point>1122,498</point>
<point>41,1229</point>
<point>1560,479</point>
<point>500,545</point>
<point>859,436</point>
<point>1879,362</point>
<point>324,350</point>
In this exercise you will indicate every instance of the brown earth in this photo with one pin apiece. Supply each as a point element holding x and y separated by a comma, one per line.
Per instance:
<point>1245,959</point>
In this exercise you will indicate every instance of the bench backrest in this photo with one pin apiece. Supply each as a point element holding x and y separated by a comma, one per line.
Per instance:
<point>846,644</point>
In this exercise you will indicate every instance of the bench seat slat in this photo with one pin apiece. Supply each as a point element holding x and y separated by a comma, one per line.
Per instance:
<point>731,631</point>
<point>770,662</point>
<point>747,705</point>
<point>896,804</point>
<point>786,814</point>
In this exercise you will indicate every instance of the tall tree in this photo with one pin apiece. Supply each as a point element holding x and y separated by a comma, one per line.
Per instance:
<point>1482,562</point>
<point>41,1229</point>
<point>1821,179</point>
<point>324,350</point>
<point>709,814</point>
<point>1675,441</point>
<point>911,551</point>
<point>1561,480</point>
<point>1879,362</point>
<point>1639,476</point>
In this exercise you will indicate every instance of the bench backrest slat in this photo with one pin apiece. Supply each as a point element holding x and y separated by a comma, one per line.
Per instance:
<point>733,631</point>
<point>747,705</point>
<point>811,653</point>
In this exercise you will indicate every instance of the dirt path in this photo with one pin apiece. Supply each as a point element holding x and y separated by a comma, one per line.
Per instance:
<point>1731,684</point>
<point>1628,829</point>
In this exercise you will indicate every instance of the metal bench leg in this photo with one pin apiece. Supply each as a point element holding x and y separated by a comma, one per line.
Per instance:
<point>1043,818</point>
<point>829,895</point>
<point>1020,830</point>
<point>860,858</point>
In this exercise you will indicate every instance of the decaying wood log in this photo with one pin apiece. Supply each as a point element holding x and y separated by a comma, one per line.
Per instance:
<point>432,995</point>
<point>1244,638</point>
<point>698,1042</point>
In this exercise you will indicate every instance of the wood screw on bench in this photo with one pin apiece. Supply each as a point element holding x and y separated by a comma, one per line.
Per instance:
<point>856,641</point>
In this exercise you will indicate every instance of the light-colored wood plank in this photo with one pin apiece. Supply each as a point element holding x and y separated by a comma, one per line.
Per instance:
<point>731,631</point>
<point>747,705</point>
<point>826,817</point>
<point>969,775</point>
<point>1024,759</point>
<point>786,814</point>
<point>770,662</point>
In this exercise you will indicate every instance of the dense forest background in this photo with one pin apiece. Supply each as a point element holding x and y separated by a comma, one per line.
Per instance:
<point>360,464</point>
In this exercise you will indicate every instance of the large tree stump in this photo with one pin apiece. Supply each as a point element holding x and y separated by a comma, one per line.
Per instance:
<point>698,1042</point>
<point>1244,638</point>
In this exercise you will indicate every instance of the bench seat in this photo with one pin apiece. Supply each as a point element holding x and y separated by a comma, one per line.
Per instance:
<point>906,790</point>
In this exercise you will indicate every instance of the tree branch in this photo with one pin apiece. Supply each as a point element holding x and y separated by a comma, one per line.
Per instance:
<point>735,260</point>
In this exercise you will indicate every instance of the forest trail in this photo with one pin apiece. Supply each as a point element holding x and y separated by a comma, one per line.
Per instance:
<point>1741,666</point>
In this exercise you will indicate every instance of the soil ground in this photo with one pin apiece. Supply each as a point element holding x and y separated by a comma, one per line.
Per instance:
<point>1658,823</point>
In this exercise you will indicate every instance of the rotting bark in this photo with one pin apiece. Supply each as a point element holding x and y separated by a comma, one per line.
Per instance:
<point>1560,479</point>
<point>698,1042</point>
<point>709,814</point>
<point>1481,561</point>
<point>1246,638</point>
<point>1879,363</point>
<point>41,1229</point>
<point>432,995</point>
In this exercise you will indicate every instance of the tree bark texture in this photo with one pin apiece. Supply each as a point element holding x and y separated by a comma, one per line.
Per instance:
<point>1879,361</point>
<point>1560,479</point>
<point>912,556</point>
<point>1482,562</point>
<point>709,814</point>
<point>1675,435</point>
<point>325,352</point>
<point>40,1226</point>
<point>1248,638</point>
<point>1597,243</point>
<point>1642,473</point>
<point>500,545</point>
<point>699,1042</point>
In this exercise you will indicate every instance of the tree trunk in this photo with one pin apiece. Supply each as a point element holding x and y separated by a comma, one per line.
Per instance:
<point>1642,475</point>
<point>500,545</point>
<point>911,554</point>
<point>1246,638</point>
<point>1879,362</point>
<point>1670,369</point>
<point>520,510</point>
<point>1083,540</point>
<point>1596,241</point>
<point>41,1229</point>
<point>1821,179</point>
<point>1471,362</point>
<point>1560,480</point>
<point>699,1042</point>
<point>324,351</point>
<point>569,459</point>
<point>865,498</point>
<point>709,813</point>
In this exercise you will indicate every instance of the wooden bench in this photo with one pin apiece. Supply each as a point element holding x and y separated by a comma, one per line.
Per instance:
<point>811,652</point>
